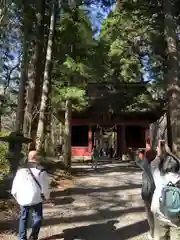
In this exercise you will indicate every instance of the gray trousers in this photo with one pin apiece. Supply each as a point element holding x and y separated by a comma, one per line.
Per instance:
<point>150,217</point>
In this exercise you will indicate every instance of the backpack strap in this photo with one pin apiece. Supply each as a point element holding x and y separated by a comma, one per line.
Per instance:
<point>170,184</point>
<point>34,178</point>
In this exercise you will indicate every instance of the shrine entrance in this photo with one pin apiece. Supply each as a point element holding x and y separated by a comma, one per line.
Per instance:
<point>105,139</point>
<point>118,140</point>
<point>110,122</point>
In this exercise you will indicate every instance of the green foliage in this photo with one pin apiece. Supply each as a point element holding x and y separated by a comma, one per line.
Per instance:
<point>122,62</point>
<point>141,103</point>
<point>127,36</point>
<point>73,59</point>
<point>132,31</point>
<point>121,32</point>
<point>76,94</point>
<point>131,35</point>
<point>4,167</point>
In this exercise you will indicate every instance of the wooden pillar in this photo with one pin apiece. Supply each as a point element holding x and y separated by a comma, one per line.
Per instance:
<point>93,137</point>
<point>147,139</point>
<point>101,138</point>
<point>123,139</point>
<point>118,144</point>
<point>61,133</point>
<point>90,139</point>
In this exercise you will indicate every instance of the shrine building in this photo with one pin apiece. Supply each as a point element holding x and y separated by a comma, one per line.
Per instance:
<point>114,118</point>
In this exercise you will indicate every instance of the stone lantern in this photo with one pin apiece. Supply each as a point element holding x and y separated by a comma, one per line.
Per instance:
<point>14,154</point>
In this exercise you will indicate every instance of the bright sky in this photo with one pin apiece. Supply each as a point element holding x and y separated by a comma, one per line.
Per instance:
<point>97,16</point>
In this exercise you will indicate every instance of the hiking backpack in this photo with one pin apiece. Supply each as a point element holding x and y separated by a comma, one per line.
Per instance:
<point>169,201</point>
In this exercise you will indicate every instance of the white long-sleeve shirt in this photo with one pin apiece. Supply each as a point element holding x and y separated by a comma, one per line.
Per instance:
<point>26,191</point>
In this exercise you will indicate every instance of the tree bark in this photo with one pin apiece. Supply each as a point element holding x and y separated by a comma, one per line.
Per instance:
<point>46,82</point>
<point>24,74</point>
<point>35,74</point>
<point>3,11</point>
<point>61,133</point>
<point>67,133</point>
<point>0,123</point>
<point>172,74</point>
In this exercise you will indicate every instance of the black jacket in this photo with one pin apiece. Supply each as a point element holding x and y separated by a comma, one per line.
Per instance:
<point>148,185</point>
<point>147,189</point>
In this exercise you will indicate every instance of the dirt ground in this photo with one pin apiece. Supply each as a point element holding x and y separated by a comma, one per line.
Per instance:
<point>101,204</point>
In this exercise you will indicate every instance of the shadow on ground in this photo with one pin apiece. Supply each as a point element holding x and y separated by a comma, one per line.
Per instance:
<point>67,197</point>
<point>102,168</point>
<point>105,231</point>
<point>81,191</point>
<point>62,201</point>
<point>99,215</point>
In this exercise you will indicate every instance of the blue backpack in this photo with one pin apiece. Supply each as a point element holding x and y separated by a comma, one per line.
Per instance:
<point>170,201</point>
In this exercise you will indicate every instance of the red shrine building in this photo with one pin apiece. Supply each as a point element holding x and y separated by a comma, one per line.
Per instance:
<point>114,111</point>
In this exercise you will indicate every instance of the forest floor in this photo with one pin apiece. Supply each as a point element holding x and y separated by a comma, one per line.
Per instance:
<point>102,204</point>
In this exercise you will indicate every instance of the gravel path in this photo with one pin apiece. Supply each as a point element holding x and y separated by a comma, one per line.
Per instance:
<point>102,205</point>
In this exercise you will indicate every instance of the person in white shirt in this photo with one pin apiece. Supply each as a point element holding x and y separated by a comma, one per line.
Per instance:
<point>166,171</point>
<point>30,188</point>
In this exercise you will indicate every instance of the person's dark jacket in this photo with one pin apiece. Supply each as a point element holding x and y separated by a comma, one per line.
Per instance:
<point>147,189</point>
<point>148,185</point>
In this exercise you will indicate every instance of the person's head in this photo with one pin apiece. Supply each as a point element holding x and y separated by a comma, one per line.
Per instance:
<point>32,156</point>
<point>168,164</point>
<point>94,146</point>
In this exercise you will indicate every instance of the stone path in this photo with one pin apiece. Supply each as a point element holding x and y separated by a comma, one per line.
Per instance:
<point>102,205</point>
